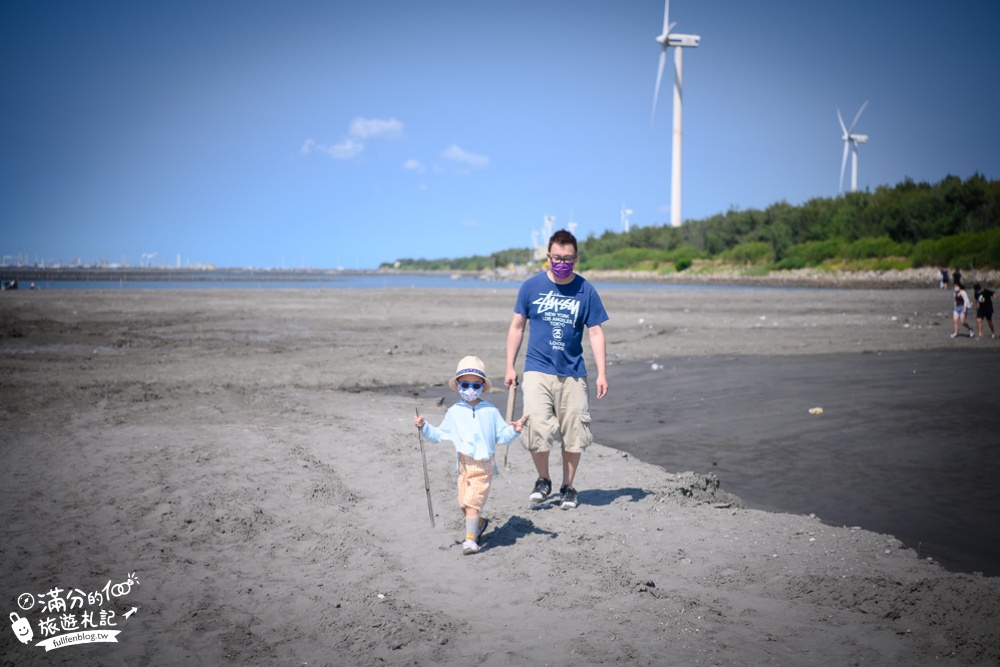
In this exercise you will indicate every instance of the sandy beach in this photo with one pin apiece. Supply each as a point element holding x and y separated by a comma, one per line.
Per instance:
<point>242,469</point>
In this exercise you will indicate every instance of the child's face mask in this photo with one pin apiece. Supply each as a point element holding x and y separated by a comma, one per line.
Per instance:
<point>470,391</point>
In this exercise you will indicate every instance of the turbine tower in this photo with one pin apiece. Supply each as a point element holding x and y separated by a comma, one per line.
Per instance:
<point>679,42</point>
<point>626,212</point>
<point>851,142</point>
<point>540,238</point>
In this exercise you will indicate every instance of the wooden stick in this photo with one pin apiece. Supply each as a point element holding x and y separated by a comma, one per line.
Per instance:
<point>427,480</point>
<point>511,399</point>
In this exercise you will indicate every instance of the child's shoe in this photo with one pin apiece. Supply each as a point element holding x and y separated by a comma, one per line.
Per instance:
<point>470,547</point>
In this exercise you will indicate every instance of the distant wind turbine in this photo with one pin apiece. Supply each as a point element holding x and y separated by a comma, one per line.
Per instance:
<point>679,42</point>
<point>851,142</point>
<point>540,238</point>
<point>626,212</point>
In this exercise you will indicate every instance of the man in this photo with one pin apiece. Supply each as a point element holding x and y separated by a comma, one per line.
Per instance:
<point>984,308</point>
<point>559,304</point>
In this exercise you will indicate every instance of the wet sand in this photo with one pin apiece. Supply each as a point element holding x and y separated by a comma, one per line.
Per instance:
<point>906,444</point>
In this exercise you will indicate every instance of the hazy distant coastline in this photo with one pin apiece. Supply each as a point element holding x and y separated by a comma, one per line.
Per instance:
<point>905,278</point>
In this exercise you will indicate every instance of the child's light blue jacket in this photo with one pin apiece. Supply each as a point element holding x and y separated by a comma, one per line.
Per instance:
<point>475,431</point>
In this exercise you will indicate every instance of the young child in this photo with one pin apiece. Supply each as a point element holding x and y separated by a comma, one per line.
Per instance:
<point>475,427</point>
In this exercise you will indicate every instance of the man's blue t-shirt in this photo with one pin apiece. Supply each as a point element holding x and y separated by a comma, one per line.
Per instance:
<point>557,315</point>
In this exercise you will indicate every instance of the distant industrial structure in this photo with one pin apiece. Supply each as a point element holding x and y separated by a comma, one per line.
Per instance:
<point>540,237</point>
<point>25,261</point>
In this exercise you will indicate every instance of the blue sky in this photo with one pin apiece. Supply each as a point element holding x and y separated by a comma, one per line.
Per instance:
<point>325,134</point>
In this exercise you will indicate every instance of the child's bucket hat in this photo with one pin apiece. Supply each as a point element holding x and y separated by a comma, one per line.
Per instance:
<point>470,366</point>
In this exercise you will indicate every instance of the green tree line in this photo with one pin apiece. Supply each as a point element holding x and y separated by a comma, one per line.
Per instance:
<point>474,263</point>
<point>954,223</point>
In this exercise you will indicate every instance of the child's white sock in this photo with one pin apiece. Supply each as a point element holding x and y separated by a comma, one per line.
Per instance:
<point>471,526</point>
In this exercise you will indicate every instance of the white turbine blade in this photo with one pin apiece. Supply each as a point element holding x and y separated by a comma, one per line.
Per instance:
<point>659,78</point>
<point>666,17</point>
<point>841,119</point>
<point>843,164</point>
<point>856,118</point>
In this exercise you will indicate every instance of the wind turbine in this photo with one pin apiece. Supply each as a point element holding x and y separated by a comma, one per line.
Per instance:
<point>547,228</point>
<point>626,212</point>
<point>544,234</point>
<point>851,142</point>
<point>679,42</point>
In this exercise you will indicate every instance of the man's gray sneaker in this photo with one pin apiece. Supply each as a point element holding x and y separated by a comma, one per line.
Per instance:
<point>568,501</point>
<point>543,487</point>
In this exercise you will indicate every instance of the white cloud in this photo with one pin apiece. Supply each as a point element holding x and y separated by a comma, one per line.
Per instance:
<point>456,154</point>
<point>414,165</point>
<point>372,128</point>
<point>345,150</point>
<point>353,144</point>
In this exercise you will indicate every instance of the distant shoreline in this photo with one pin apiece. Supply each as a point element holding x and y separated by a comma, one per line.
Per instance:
<point>908,278</point>
<point>901,279</point>
<point>23,274</point>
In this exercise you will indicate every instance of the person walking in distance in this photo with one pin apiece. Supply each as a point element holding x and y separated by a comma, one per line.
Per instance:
<point>559,304</point>
<point>984,308</point>
<point>962,304</point>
